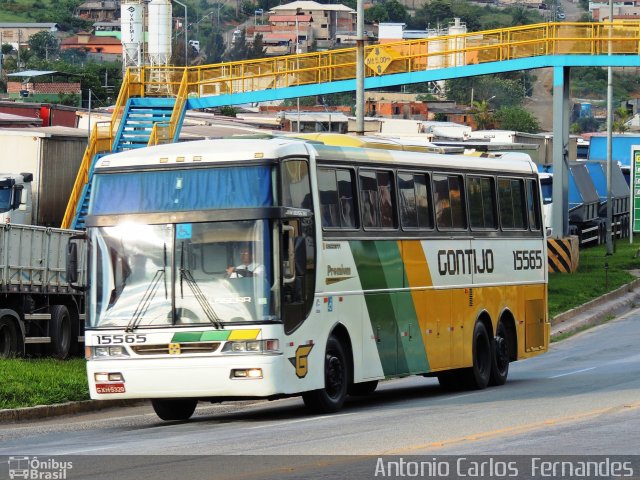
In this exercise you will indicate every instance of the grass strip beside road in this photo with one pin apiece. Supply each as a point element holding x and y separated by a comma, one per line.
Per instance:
<point>42,381</point>
<point>567,291</point>
<point>27,382</point>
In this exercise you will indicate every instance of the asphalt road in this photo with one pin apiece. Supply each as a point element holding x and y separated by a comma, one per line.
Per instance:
<point>583,397</point>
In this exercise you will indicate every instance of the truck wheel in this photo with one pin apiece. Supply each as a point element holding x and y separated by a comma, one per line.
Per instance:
<point>336,379</point>
<point>60,332</point>
<point>8,338</point>
<point>174,409</point>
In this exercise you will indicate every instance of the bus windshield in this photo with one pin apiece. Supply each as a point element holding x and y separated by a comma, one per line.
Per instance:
<point>181,274</point>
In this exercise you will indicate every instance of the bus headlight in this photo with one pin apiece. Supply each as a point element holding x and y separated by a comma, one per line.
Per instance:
<point>92,353</point>
<point>252,346</point>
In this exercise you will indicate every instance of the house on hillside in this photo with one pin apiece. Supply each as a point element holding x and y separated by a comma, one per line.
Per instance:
<point>325,20</point>
<point>99,48</point>
<point>19,33</point>
<point>99,11</point>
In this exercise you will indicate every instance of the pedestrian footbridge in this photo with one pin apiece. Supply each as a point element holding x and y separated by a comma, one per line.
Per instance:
<point>153,100</point>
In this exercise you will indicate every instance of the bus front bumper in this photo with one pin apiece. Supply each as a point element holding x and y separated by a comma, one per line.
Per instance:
<point>200,377</point>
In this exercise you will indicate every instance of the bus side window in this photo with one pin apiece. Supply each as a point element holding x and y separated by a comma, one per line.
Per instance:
<point>337,206</point>
<point>414,198</point>
<point>533,205</point>
<point>377,199</point>
<point>482,203</point>
<point>449,202</point>
<point>512,203</point>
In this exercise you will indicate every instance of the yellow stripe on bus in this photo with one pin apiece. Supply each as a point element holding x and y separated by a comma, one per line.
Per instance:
<point>244,334</point>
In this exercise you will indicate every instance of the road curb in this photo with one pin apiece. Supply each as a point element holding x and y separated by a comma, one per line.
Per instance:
<point>598,310</point>
<point>68,408</point>
<point>591,313</point>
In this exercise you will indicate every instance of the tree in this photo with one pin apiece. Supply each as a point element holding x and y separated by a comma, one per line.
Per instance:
<point>621,117</point>
<point>496,89</point>
<point>215,48</point>
<point>6,48</point>
<point>482,114</point>
<point>387,11</point>
<point>256,50</point>
<point>516,118</point>
<point>44,45</point>
<point>239,48</point>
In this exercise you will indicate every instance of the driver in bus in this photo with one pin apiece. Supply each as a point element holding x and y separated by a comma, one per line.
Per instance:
<point>248,268</point>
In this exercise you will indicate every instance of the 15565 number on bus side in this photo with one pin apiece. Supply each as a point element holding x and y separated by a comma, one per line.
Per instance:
<point>527,259</point>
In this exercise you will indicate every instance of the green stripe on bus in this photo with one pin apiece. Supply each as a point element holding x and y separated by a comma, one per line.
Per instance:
<point>217,335</point>
<point>185,337</point>
<point>214,335</point>
<point>392,314</point>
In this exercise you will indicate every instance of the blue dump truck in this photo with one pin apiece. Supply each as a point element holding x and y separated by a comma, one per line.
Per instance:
<point>588,200</point>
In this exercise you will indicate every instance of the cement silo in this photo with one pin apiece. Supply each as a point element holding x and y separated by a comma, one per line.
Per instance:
<point>132,32</point>
<point>159,47</point>
<point>457,43</point>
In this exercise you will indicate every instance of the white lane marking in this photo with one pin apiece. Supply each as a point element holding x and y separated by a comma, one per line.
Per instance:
<point>571,373</point>
<point>291,422</point>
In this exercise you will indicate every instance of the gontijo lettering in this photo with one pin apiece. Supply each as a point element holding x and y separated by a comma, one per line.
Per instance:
<point>456,262</point>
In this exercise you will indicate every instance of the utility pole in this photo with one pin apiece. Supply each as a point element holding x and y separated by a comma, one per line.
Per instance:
<point>360,68</point>
<point>610,138</point>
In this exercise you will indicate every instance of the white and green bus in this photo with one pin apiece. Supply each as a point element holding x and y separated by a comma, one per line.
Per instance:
<point>265,268</point>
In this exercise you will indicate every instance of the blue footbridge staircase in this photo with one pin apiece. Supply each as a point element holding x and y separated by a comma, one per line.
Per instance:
<point>152,101</point>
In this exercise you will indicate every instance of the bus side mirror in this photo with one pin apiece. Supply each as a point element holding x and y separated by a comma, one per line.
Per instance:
<point>72,265</point>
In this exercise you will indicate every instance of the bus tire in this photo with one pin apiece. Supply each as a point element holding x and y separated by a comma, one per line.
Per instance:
<point>500,356</point>
<point>174,409</point>
<point>363,388</point>
<point>336,379</point>
<point>8,338</point>
<point>60,332</point>
<point>477,376</point>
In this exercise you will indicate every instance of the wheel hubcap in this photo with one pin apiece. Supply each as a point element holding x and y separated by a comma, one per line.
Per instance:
<point>502,355</point>
<point>334,377</point>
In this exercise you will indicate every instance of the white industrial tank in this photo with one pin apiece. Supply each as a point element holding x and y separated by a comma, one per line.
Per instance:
<point>159,47</point>
<point>132,32</point>
<point>456,44</point>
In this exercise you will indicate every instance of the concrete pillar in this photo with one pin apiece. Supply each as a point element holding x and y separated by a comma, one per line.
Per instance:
<point>560,220</point>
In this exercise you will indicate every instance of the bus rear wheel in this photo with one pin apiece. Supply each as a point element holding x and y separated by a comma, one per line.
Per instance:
<point>500,357</point>
<point>174,409</point>
<point>477,376</point>
<point>336,378</point>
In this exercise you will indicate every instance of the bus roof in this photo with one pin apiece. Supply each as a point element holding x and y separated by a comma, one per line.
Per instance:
<point>249,149</point>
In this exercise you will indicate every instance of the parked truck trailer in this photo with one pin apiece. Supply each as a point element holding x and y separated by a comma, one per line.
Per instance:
<point>38,306</point>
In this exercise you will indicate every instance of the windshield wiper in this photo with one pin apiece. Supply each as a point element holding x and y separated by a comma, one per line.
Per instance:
<point>149,294</point>
<point>185,274</point>
<point>145,301</point>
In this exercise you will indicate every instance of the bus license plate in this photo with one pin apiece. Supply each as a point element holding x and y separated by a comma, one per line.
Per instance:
<point>110,388</point>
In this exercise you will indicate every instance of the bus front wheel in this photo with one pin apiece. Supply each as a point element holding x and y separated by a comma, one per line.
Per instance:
<point>336,378</point>
<point>174,409</point>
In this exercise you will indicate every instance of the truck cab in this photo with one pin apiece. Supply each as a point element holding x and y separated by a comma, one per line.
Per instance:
<point>15,198</point>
